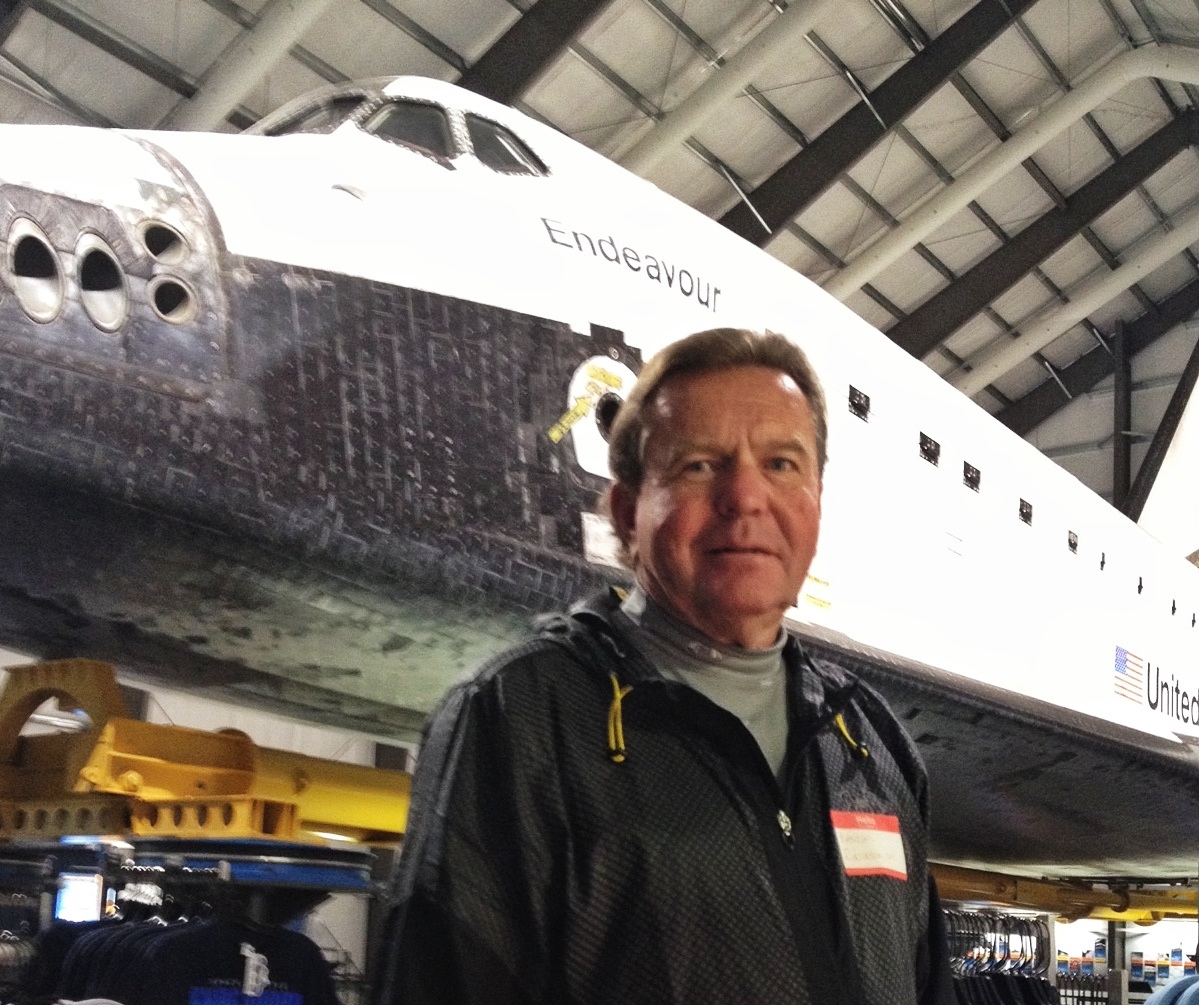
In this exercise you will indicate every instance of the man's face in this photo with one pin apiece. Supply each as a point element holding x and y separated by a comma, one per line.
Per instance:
<point>724,525</point>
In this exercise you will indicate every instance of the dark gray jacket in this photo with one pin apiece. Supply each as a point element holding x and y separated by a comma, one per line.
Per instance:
<point>584,830</point>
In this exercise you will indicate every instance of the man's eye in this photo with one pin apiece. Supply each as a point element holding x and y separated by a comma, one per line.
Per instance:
<point>783,464</point>
<point>699,466</point>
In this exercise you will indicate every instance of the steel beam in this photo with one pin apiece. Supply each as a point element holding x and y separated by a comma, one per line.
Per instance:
<point>810,172</point>
<point>1152,464</point>
<point>89,28</point>
<point>1025,414</point>
<point>10,14</point>
<point>1121,419</point>
<point>947,310</point>
<point>520,55</point>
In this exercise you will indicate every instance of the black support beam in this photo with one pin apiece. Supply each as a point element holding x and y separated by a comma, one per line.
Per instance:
<point>528,47</point>
<point>814,169</point>
<point>1121,419</point>
<point>950,308</point>
<point>1025,414</point>
<point>10,14</point>
<point>1152,464</point>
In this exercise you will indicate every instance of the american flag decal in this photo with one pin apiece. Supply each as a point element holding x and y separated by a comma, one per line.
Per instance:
<point>1129,679</point>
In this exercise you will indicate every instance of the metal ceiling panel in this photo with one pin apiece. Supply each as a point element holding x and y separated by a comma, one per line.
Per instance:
<point>790,250</point>
<point>1176,186</point>
<point>807,90</point>
<point>128,97</point>
<point>1123,305</point>
<point>1163,360</point>
<point>967,340</point>
<point>1125,223</point>
<point>864,42</point>
<point>646,51</point>
<point>1072,263</point>
<point>840,221</point>
<point>190,38</point>
<point>724,23</point>
<point>748,140</point>
<point>806,175</point>
<point>689,178</point>
<point>994,274</point>
<point>861,304</point>
<point>1094,468</point>
<point>1028,413</point>
<point>960,243</point>
<point>22,106</point>
<point>1010,79</point>
<point>1171,276</point>
<point>908,287</point>
<point>1076,155</point>
<point>1073,34</point>
<point>1066,349</point>
<point>361,43</point>
<point>935,16</point>
<point>288,79</point>
<point>469,27</point>
<point>1015,200</point>
<point>1136,110</point>
<point>1173,17</point>
<point>533,44</point>
<point>1086,419</point>
<point>1023,299</point>
<point>584,105</point>
<point>871,312</point>
<point>893,174</point>
<point>1021,379</point>
<point>949,129</point>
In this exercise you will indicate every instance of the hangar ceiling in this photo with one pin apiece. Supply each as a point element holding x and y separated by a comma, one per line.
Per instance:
<point>1008,188</point>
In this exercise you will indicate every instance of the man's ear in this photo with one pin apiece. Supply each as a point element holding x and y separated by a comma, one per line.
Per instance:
<point>622,504</point>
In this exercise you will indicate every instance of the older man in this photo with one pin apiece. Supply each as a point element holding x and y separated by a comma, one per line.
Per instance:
<point>661,798</point>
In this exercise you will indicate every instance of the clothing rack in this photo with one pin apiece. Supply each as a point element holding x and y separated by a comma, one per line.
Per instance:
<point>215,909</point>
<point>1083,989</point>
<point>1000,959</point>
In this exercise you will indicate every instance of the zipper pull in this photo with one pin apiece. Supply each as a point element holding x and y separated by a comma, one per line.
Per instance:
<point>785,827</point>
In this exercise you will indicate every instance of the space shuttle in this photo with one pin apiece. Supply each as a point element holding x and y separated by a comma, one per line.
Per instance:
<point>313,417</point>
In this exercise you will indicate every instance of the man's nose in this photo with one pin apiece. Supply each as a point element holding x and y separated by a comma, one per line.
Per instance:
<point>742,489</point>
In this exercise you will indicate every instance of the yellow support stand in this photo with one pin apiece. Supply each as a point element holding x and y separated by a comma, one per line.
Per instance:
<point>121,776</point>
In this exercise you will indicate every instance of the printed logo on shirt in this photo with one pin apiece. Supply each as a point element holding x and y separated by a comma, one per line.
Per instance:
<point>257,974</point>
<point>870,844</point>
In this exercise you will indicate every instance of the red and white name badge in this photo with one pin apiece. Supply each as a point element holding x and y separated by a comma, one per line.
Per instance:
<point>870,844</point>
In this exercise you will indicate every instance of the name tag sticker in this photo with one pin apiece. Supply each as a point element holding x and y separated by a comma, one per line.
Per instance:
<point>870,844</point>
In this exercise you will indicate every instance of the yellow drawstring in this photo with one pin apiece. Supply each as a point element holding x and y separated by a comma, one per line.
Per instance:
<point>839,722</point>
<point>616,749</point>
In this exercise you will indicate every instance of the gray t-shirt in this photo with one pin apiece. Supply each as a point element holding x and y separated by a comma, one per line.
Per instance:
<point>749,683</point>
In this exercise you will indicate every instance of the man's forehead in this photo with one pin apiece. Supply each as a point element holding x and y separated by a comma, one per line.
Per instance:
<point>679,420</point>
<point>690,397</point>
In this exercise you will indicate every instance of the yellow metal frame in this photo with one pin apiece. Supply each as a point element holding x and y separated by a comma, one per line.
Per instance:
<point>1065,899</point>
<point>122,776</point>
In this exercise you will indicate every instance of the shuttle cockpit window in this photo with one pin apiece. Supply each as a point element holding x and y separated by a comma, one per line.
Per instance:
<point>414,124</point>
<point>500,149</point>
<point>320,118</point>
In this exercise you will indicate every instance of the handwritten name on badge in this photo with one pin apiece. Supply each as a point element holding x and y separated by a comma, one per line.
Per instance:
<point>870,844</point>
